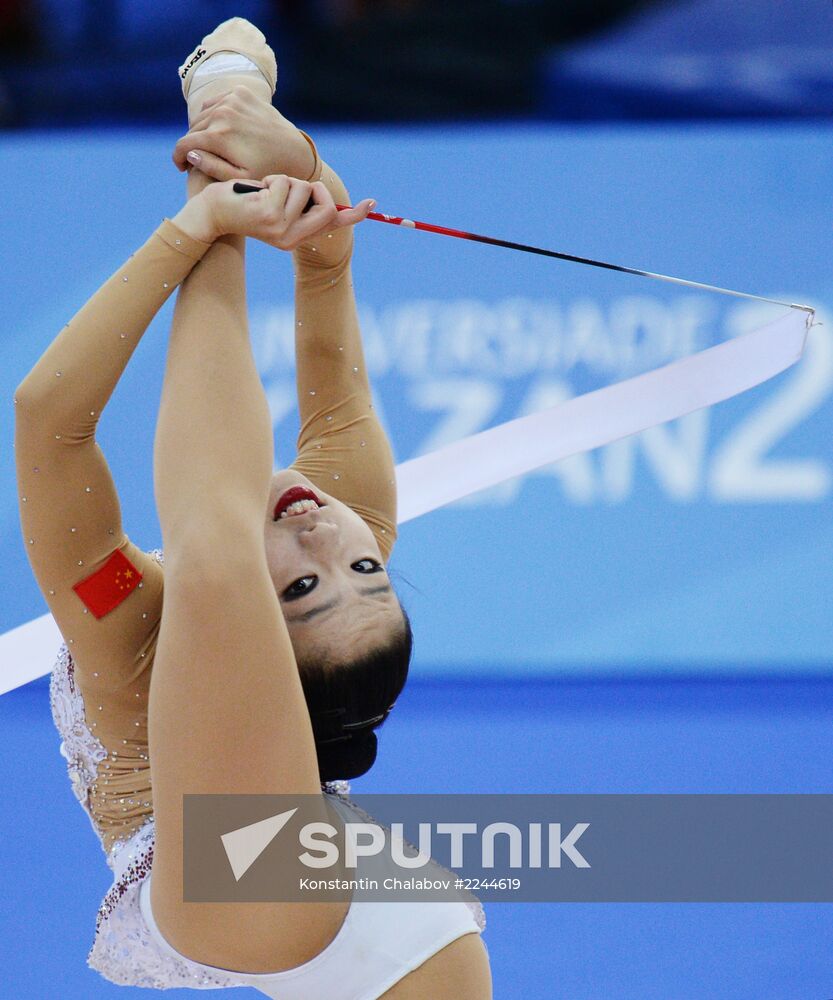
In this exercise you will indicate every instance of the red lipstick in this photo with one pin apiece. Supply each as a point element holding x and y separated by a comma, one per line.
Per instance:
<point>291,496</point>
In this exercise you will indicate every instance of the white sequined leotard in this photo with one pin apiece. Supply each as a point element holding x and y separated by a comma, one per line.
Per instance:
<point>126,950</point>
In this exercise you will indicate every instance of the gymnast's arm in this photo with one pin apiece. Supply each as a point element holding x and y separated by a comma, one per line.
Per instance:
<point>341,446</point>
<point>69,509</point>
<point>239,135</point>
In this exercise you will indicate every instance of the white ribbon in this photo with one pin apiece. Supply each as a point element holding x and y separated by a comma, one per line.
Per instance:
<point>599,417</point>
<point>519,446</point>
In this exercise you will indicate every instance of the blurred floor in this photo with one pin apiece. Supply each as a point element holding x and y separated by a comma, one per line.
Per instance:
<point>601,736</point>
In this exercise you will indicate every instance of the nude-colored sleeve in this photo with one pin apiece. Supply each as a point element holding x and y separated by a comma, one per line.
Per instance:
<point>341,446</point>
<point>71,517</point>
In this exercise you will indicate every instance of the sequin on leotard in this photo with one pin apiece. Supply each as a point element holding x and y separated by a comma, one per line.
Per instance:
<point>124,951</point>
<point>82,751</point>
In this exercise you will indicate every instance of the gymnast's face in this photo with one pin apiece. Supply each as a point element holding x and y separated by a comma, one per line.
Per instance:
<point>327,569</point>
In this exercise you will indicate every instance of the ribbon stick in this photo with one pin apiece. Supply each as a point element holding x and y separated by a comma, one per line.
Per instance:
<point>460,234</point>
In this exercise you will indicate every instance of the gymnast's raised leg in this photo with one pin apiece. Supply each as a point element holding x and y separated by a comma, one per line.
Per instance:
<point>226,707</point>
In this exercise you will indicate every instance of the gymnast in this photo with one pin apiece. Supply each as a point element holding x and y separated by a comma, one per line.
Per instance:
<point>276,646</point>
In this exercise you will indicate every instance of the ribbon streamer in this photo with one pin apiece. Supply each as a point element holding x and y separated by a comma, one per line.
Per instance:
<point>527,443</point>
<point>600,417</point>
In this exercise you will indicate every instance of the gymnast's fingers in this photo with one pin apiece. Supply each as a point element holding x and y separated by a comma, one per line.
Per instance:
<point>221,109</point>
<point>203,119</point>
<point>215,166</point>
<point>297,199</point>
<point>352,216</point>
<point>201,139</point>
<point>277,188</point>
<point>317,217</point>
<point>216,99</point>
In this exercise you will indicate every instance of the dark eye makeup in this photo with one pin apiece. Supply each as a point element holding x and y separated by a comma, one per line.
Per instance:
<point>367,566</point>
<point>306,584</point>
<point>300,588</point>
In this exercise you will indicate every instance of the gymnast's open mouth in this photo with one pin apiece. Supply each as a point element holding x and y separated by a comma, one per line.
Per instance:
<point>296,501</point>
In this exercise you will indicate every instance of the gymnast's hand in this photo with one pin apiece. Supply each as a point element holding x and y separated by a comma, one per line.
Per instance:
<point>238,135</point>
<point>277,214</point>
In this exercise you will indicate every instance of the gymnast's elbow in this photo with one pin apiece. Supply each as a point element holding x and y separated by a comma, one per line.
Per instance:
<point>37,413</point>
<point>31,395</point>
<point>25,405</point>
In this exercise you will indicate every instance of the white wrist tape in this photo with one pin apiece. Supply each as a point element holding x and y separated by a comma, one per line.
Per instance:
<point>222,63</point>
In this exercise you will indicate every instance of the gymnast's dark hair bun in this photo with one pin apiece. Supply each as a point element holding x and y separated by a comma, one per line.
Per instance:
<point>348,758</point>
<point>347,701</point>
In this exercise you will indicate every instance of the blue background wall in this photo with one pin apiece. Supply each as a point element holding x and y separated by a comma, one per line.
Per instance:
<point>702,545</point>
<point>702,548</point>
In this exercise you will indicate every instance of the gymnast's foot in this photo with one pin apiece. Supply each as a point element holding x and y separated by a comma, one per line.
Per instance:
<point>235,53</point>
<point>228,82</point>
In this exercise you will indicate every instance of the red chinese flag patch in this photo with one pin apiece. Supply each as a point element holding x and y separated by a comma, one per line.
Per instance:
<point>109,586</point>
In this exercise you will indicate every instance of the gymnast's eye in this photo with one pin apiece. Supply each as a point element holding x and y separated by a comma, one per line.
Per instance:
<point>300,588</point>
<point>367,566</point>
